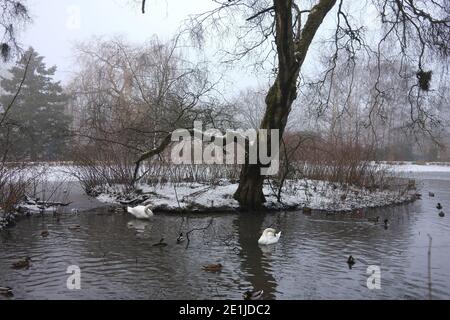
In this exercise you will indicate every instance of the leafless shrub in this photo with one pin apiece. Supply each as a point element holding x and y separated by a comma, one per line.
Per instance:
<point>334,159</point>
<point>13,186</point>
<point>97,168</point>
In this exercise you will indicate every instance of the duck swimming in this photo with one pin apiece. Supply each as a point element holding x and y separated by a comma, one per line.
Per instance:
<point>376,219</point>
<point>269,237</point>
<point>75,227</point>
<point>439,206</point>
<point>22,264</point>
<point>253,295</point>
<point>180,238</point>
<point>6,291</point>
<point>351,261</point>
<point>441,214</point>
<point>141,212</point>
<point>213,267</point>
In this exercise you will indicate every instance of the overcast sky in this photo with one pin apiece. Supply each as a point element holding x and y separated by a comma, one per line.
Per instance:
<point>59,24</point>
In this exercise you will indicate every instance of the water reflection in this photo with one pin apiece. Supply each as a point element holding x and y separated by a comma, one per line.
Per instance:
<point>256,261</point>
<point>118,260</point>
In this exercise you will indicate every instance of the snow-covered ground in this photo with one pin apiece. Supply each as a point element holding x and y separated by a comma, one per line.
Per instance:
<point>410,167</point>
<point>317,195</point>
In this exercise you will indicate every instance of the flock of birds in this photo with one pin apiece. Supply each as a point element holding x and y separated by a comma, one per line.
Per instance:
<point>351,261</point>
<point>269,237</point>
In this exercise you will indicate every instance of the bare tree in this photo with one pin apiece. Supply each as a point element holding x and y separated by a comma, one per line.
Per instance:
<point>14,14</point>
<point>132,97</point>
<point>420,29</point>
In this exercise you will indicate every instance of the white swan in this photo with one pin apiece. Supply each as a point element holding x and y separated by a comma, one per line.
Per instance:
<point>141,212</point>
<point>269,236</point>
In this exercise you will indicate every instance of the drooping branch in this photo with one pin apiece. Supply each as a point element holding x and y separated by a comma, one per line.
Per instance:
<point>147,155</point>
<point>16,95</point>
<point>261,12</point>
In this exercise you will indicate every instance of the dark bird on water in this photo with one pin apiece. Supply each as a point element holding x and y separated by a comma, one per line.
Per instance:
<point>441,214</point>
<point>180,238</point>
<point>253,295</point>
<point>6,291</point>
<point>431,194</point>
<point>213,267</point>
<point>22,264</point>
<point>351,261</point>
<point>439,206</point>
<point>376,219</point>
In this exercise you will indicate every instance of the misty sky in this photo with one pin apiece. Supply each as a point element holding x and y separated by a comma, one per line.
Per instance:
<point>59,24</point>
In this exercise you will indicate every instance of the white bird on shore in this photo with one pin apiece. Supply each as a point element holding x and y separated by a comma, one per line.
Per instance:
<point>141,212</point>
<point>269,236</point>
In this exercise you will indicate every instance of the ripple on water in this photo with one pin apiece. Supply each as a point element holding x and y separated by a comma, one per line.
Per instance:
<point>119,262</point>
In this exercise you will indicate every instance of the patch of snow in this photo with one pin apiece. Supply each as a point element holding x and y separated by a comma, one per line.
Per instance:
<point>418,168</point>
<point>317,195</point>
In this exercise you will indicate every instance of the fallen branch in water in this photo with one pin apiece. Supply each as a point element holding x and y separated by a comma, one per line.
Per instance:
<point>197,229</point>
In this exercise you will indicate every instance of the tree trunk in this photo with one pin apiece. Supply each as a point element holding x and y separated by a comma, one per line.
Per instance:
<point>279,101</point>
<point>291,50</point>
<point>250,194</point>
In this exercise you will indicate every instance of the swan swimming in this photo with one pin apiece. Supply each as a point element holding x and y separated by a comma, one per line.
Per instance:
<point>141,212</point>
<point>269,236</point>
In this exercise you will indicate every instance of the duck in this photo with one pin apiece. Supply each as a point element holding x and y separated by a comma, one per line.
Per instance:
<point>376,219</point>
<point>141,212</point>
<point>386,222</point>
<point>269,237</point>
<point>6,291</point>
<point>75,227</point>
<point>45,234</point>
<point>439,206</point>
<point>180,238</point>
<point>22,264</point>
<point>441,214</point>
<point>253,295</point>
<point>161,243</point>
<point>213,267</point>
<point>351,261</point>
<point>431,194</point>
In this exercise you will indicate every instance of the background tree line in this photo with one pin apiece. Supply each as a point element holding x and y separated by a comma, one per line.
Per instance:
<point>126,99</point>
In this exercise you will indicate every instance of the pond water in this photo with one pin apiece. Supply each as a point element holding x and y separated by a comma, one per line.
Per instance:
<point>118,260</point>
